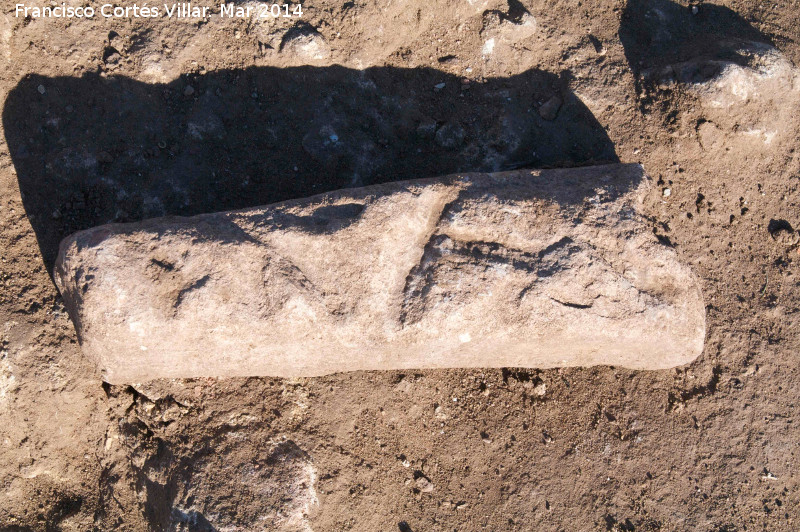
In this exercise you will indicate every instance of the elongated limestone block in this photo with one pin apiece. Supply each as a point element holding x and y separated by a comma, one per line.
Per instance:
<point>525,269</point>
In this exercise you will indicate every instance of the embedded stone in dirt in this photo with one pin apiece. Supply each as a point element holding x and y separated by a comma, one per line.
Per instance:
<point>275,491</point>
<point>304,41</point>
<point>549,109</point>
<point>528,268</point>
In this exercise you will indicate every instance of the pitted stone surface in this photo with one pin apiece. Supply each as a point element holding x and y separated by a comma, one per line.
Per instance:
<point>526,269</point>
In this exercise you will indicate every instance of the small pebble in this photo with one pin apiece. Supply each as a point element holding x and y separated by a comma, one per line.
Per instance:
<point>438,86</point>
<point>188,91</point>
<point>549,109</point>
<point>41,89</point>
<point>424,485</point>
<point>667,192</point>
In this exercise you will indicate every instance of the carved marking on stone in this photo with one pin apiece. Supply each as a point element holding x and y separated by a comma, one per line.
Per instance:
<point>537,269</point>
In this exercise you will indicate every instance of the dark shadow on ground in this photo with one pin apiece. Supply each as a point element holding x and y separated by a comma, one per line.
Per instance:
<point>659,33</point>
<point>93,150</point>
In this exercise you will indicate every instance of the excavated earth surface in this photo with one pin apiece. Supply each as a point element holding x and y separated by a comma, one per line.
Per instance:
<point>118,120</point>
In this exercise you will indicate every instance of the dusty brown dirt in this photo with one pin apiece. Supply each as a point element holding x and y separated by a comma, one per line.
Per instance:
<point>99,125</point>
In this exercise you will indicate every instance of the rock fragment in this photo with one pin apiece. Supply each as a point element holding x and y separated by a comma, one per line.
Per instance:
<point>305,42</point>
<point>422,482</point>
<point>528,268</point>
<point>549,109</point>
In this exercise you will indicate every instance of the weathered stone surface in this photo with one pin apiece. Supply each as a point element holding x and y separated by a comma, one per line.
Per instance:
<point>530,268</point>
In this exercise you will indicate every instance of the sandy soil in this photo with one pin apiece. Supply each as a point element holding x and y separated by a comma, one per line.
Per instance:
<point>121,119</point>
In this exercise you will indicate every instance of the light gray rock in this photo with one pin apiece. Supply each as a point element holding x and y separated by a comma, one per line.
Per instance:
<point>529,268</point>
<point>243,486</point>
<point>749,106</point>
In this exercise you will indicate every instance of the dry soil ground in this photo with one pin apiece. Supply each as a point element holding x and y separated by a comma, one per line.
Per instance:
<point>122,119</point>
